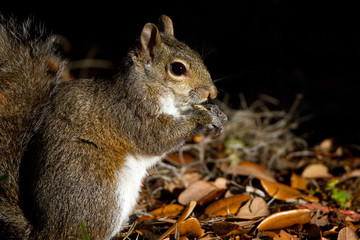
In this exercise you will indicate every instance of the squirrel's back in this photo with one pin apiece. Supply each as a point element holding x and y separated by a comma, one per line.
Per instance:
<point>29,70</point>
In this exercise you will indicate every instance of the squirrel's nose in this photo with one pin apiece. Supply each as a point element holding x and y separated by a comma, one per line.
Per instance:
<point>213,92</point>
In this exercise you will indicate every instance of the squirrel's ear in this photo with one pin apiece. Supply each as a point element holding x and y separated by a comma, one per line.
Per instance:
<point>165,25</point>
<point>150,38</point>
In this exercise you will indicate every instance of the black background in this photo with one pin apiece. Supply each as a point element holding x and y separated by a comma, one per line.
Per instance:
<point>275,47</point>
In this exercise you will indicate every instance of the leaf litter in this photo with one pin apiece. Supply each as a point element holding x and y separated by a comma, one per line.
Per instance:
<point>257,180</point>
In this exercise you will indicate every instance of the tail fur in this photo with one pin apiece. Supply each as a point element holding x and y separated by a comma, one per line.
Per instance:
<point>29,71</point>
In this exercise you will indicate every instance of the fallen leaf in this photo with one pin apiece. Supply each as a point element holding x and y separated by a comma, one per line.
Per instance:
<point>220,182</point>
<point>191,177</point>
<point>196,191</point>
<point>311,231</point>
<point>326,145</point>
<point>349,215</point>
<point>285,219</point>
<point>226,206</point>
<point>256,207</point>
<point>223,227</point>
<point>298,182</point>
<point>316,170</point>
<point>213,195</point>
<point>170,211</point>
<point>236,232</point>
<point>355,173</point>
<point>246,168</point>
<point>186,213</point>
<point>190,228</point>
<point>343,214</point>
<point>285,236</point>
<point>268,234</point>
<point>283,192</point>
<point>347,233</point>
<point>320,218</point>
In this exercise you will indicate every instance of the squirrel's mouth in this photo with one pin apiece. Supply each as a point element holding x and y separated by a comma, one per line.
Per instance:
<point>186,107</point>
<point>191,101</point>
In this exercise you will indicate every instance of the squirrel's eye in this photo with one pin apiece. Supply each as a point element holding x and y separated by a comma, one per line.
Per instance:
<point>178,68</point>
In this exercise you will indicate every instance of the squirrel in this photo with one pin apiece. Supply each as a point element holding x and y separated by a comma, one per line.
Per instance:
<point>79,149</point>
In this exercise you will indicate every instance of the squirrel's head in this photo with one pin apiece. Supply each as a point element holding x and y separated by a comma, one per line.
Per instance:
<point>178,68</point>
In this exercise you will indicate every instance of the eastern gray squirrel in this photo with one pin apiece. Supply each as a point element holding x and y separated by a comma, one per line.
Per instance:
<point>79,149</point>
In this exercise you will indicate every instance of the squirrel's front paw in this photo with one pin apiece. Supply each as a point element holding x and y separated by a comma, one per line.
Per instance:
<point>202,118</point>
<point>218,118</point>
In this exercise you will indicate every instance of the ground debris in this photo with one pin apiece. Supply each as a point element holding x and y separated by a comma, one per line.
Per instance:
<point>258,180</point>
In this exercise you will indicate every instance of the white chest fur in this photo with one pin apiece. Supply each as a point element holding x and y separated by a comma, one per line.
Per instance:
<point>167,106</point>
<point>129,179</point>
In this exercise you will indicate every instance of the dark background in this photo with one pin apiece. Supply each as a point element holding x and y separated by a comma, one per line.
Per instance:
<point>275,47</point>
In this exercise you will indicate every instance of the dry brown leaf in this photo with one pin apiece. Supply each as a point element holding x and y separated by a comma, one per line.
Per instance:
<point>320,218</point>
<point>298,182</point>
<point>191,177</point>
<point>220,182</point>
<point>268,234</point>
<point>223,227</point>
<point>343,213</point>
<point>326,145</point>
<point>347,233</point>
<point>355,173</point>
<point>186,213</point>
<point>170,211</point>
<point>246,168</point>
<point>226,206</point>
<point>285,219</point>
<point>196,191</point>
<point>310,230</point>
<point>216,194</point>
<point>254,208</point>
<point>285,236</point>
<point>352,226</point>
<point>283,192</point>
<point>190,227</point>
<point>316,170</point>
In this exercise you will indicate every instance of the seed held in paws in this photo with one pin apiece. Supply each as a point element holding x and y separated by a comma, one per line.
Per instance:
<point>200,107</point>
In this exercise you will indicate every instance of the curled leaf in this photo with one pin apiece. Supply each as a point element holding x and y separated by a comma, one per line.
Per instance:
<point>298,182</point>
<point>226,206</point>
<point>216,194</point>
<point>285,236</point>
<point>246,168</point>
<point>254,208</point>
<point>170,211</point>
<point>196,191</point>
<point>223,227</point>
<point>316,170</point>
<point>190,227</point>
<point>283,192</point>
<point>186,213</point>
<point>285,219</point>
<point>347,233</point>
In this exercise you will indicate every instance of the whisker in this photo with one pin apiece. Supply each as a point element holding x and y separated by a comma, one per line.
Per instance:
<point>222,78</point>
<point>220,90</point>
<point>235,75</point>
<point>208,53</point>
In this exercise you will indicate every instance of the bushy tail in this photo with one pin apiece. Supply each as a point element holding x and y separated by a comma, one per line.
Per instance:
<point>29,71</point>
